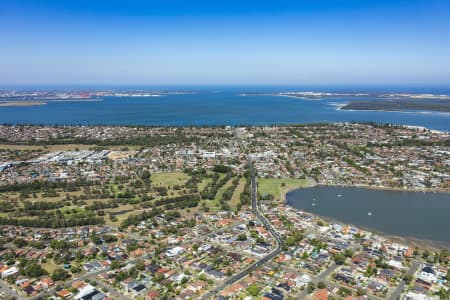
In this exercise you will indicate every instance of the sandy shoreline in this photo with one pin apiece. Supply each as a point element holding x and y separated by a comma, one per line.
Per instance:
<point>429,112</point>
<point>412,241</point>
<point>76,100</point>
<point>370,187</point>
<point>25,103</point>
<point>386,188</point>
<point>21,103</point>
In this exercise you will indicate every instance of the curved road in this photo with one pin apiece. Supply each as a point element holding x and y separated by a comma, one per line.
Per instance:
<point>260,262</point>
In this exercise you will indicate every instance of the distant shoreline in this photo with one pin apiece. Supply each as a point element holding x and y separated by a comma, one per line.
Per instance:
<point>399,105</point>
<point>77,100</point>
<point>26,103</point>
<point>21,103</point>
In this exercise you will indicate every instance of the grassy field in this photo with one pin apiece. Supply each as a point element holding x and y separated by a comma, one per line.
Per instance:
<point>222,189</point>
<point>68,210</point>
<point>50,266</point>
<point>214,205</point>
<point>237,193</point>
<point>204,183</point>
<point>127,210</point>
<point>84,202</point>
<point>169,179</point>
<point>279,187</point>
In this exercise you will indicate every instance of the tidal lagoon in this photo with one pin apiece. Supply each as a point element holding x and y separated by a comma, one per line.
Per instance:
<point>408,215</point>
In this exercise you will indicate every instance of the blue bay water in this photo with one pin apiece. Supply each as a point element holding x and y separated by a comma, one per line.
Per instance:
<point>411,215</point>
<point>211,108</point>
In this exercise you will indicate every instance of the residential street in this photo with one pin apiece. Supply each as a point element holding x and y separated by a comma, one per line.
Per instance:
<point>399,290</point>
<point>9,291</point>
<point>260,262</point>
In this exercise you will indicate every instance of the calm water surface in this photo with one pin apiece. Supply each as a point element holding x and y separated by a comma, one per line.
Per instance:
<point>210,108</point>
<point>417,215</point>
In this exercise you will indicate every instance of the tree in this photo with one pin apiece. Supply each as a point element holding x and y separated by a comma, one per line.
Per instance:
<point>140,265</point>
<point>62,245</point>
<point>221,169</point>
<point>407,278</point>
<point>321,285</point>
<point>371,271</point>
<point>360,292</point>
<point>343,291</point>
<point>242,237</point>
<point>339,259</point>
<point>253,290</point>
<point>115,264</point>
<point>444,254</point>
<point>158,278</point>
<point>311,287</point>
<point>109,238</point>
<point>184,280</point>
<point>348,253</point>
<point>96,239</point>
<point>31,269</point>
<point>60,274</point>
<point>443,294</point>
<point>20,242</point>
<point>132,246</point>
<point>145,175</point>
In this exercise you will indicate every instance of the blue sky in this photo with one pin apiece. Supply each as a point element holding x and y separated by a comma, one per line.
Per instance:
<point>225,42</point>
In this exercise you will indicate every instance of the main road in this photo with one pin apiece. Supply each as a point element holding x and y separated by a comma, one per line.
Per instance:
<point>279,242</point>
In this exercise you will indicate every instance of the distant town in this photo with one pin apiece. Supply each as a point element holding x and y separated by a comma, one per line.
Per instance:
<point>40,97</point>
<point>135,212</point>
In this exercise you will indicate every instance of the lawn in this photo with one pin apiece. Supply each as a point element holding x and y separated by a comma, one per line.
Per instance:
<point>50,266</point>
<point>214,205</point>
<point>169,179</point>
<point>237,193</point>
<point>279,187</point>
<point>204,183</point>
<point>61,197</point>
<point>222,189</point>
<point>71,210</point>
